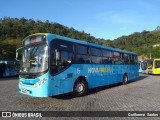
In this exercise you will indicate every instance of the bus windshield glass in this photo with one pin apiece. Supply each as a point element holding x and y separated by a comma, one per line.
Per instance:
<point>144,65</point>
<point>35,59</point>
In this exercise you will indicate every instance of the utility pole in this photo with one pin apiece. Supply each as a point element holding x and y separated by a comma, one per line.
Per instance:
<point>150,56</point>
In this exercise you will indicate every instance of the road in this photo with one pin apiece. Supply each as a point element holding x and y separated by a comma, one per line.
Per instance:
<point>141,94</point>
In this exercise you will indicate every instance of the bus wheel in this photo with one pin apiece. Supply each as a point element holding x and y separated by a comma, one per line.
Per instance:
<point>125,79</point>
<point>80,88</point>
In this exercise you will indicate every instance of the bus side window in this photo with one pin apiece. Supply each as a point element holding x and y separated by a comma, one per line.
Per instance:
<point>157,64</point>
<point>135,60</point>
<point>126,59</point>
<point>106,57</point>
<point>95,55</point>
<point>131,58</point>
<point>82,55</point>
<point>118,58</point>
<point>62,55</point>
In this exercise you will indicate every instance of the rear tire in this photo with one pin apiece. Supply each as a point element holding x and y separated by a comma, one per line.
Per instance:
<point>80,88</point>
<point>125,79</point>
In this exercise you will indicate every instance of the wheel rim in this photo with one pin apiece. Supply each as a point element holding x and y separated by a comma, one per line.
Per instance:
<point>125,79</point>
<point>79,88</point>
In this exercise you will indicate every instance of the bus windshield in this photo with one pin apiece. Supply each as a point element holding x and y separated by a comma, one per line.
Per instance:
<point>35,59</point>
<point>144,65</point>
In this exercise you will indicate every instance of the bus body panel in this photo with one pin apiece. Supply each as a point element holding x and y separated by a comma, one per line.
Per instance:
<point>38,87</point>
<point>63,83</point>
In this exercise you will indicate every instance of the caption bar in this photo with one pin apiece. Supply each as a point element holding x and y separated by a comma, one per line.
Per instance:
<point>39,114</point>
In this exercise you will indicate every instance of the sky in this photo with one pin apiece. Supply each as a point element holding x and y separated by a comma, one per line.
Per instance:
<point>107,19</point>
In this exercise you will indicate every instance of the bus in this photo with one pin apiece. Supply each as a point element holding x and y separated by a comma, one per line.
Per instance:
<point>154,66</point>
<point>53,65</point>
<point>8,68</point>
<point>143,66</point>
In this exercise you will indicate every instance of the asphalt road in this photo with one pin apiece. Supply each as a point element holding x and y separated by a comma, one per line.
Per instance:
<point>141,94</point>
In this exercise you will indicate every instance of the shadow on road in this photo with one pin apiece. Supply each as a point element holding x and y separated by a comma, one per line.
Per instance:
<point>65,96</point>
<point>9,78</point>
<point>138,79</point>
<point>98,89</point>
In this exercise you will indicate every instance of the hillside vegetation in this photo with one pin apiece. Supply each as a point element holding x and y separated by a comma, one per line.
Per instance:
<point>13,30</point>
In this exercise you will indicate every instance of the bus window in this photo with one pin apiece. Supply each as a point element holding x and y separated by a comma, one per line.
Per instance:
<point>150,64</point>
<point>131,59</point>
<point>135,60</point>
<point>81,49</point>
<point>117,58</point>
<point>157,63</point>
<point>106,56</point>
<point>82,54</point>
<point>126,59</point>
<point>62,55</point>
<point>96,55</point>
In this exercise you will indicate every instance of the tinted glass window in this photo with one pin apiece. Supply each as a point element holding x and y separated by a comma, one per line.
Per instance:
<point>83,54</point>
<point>81,49</point>
<point>157,63</point>
<point>107,56</point>
<point>95,52</point>
<point>116,54</point>
<point>63,45</point>
<point>118,58</point>
<point>62,55</point>
<point>106,53</point>
<point>96,59</point>
<point>83,59</point>
<point>126,59</point>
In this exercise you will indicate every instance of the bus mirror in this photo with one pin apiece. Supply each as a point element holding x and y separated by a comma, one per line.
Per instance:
<point>19,53</point>
<point>69,61</point>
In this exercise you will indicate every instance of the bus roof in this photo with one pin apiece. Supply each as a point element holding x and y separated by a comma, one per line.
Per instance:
<point>91,44</point>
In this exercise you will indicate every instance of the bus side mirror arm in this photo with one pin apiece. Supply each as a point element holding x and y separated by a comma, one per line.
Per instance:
<point>17,53</point>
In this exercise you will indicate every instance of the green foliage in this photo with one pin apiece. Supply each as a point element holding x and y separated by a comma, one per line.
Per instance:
<point>13,30</point>
<point>142,43</point>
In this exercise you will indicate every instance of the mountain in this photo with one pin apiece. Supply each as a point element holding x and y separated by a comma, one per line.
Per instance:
<point>13,30</point>
<point>143,43</point>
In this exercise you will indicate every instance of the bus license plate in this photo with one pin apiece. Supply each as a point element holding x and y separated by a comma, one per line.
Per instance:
<point>24,90</point>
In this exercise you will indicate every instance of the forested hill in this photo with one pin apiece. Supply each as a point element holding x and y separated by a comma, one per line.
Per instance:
<point>13,30</point>
<point>143,43</point>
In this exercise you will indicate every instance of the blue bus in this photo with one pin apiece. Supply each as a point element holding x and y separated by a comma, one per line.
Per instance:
<point>8,68</point>
<point>53,65</point>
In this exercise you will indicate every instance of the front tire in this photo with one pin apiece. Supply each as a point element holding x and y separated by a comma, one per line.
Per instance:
<point>80,88</point>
